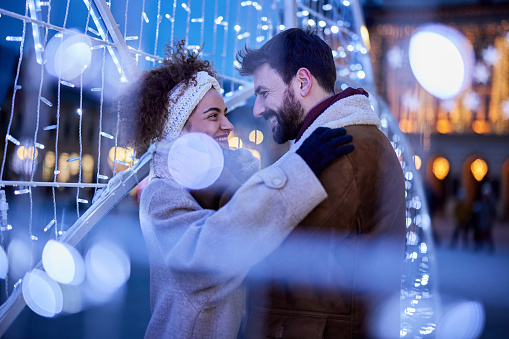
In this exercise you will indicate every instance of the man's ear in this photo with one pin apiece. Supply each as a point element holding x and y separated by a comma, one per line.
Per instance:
<point>304,81</point>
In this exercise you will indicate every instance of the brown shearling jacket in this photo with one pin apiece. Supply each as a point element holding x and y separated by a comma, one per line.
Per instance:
<point>346,256</point>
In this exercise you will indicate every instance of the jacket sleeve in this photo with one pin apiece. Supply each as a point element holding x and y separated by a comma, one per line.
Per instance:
<point>224,244</point>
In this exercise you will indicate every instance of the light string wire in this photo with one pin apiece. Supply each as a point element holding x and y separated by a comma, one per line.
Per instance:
<point>173,25</point>
<point>235,46</point>
<point>188,22</point>
<point>139,42</point>
<point>225,41</point>
<point>202,28</point>
<point>214,34</point>
<point>55,171</point>
<point>80,128</point>
<point>15,89</point>
<point>30,193</point>
<point>100,119</point>
<point>158,23</point>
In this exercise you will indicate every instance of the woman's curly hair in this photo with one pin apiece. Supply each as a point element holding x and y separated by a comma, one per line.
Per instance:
<point>144,105</point>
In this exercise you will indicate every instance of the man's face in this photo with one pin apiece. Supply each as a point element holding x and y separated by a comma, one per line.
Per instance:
<point>276,102</point>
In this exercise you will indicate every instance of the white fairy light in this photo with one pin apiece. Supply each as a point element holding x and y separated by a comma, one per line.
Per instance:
<point>90,29</point>
<point>490,55</point>
<point>13,38</point>
<point>311,22</point>
<point>145,17</point>
<point>12,139</point>
<point>236,28</point>
<point>66,83</point>
<point>334,29</point>
<point>346,3</point>
<point>481,73</point>
<point>327,7</point>
<point>282,27</point>
<point>322,23</point>
<point>46,101</point>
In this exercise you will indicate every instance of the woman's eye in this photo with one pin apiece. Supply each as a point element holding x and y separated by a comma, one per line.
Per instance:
<point>213,115</point>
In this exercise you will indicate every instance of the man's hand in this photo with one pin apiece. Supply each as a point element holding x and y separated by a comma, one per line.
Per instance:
<point>323,146</point>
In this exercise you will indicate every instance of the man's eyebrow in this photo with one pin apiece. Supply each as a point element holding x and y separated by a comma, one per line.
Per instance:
<point>260,89</point>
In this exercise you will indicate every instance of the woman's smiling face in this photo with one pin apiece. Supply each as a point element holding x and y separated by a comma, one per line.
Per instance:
<point>210,117</point>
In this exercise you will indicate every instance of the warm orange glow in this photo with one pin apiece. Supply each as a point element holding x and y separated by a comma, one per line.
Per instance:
<point>440,168</point>
<point>256,137</point>
<point>479,169</point>
<point>124,158</point>
<point>444,126</point>
<point>365,37</point>
<point>235,143</point>
<point>481,127</point>
<point>63,167</point>
<point>256,154</point>
<point>26,153</point>
<point>417,162</point>
<point>407,126</point>
<point>87,164</point>
<point>47,168</point>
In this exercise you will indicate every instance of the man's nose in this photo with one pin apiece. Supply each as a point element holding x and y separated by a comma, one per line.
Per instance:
<point>258,108</point>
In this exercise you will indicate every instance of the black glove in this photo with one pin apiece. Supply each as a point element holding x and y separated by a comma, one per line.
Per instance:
<point>323,146</point>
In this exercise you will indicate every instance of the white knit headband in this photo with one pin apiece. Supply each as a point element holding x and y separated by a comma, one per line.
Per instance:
<point>185,102</point>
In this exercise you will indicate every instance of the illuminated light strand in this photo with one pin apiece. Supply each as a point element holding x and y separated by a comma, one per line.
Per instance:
<point>106,135</point>
<point>158,23</point>
<point>23,191</point>
<point>34,238</point>
<point>145,17</point>
<point>49,225</point>
<point>37,32</point>
<point>5,228</point>
<point>82,201</point>
<point>96,89</point>
<point>56,172</point>
<point>12,139</point>
<point>46,101</point>
<point>14,38</point>
<point>17,283</point>
<point>50,127</point>
<point>73,159</point>
<point>66,83</point>
<point>104,177</point>
<point>40,146</point>
<point>121,162</point>
<point>130,38</point>
<point>96,47</point>
<point>90,29</point>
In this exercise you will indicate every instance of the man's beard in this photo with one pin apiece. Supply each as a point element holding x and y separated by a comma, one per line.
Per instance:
<point>289,117</point>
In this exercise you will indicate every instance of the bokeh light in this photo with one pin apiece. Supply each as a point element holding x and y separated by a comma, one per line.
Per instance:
<point>20,257</point>
<point>235,143</point>
<point>195,160</point>
<point>256,136</point>
<point>479,169</point>
<point>462,321</point>
<point>63,263</point>
<point>68,55</point>
<point>107,267</point>
<point>42,294</point>
<point>440,168</point>
<point>417,162</point>
<point>4,263</point>
<point>441,59</point>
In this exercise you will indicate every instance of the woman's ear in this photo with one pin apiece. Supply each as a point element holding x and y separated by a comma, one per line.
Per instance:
<point>304,81</point>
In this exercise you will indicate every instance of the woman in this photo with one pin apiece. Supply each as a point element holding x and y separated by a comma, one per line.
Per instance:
<point>199,257</point>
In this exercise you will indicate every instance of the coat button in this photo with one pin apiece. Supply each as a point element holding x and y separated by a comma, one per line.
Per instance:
<point>277,181</point>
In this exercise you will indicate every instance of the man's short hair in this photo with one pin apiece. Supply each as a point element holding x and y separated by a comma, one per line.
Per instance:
<point>290,50</point>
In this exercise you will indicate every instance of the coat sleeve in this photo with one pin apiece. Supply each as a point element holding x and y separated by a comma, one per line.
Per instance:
<point>191,241</point>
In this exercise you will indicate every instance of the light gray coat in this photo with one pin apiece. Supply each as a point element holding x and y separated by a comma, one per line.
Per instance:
<point>199,258</point>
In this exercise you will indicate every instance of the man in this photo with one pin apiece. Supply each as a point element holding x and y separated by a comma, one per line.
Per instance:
<point>320,284</point>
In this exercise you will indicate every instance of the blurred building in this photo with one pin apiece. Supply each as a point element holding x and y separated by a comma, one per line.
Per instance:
<point>464,141</point>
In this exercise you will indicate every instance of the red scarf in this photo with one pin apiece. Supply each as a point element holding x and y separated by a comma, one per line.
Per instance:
<point>323,105</point>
